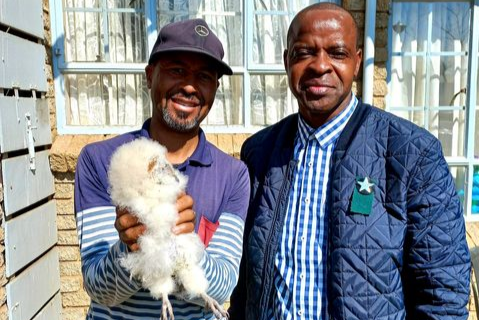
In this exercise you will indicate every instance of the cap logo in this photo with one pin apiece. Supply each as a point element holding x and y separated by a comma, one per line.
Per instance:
<point>202,31</point>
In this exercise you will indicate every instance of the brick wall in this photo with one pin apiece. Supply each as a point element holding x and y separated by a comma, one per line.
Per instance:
<point>74,299</point>
<point>63,157</point>
<point>65,151</point>
<point>50,94</point>
<point>380,87</point>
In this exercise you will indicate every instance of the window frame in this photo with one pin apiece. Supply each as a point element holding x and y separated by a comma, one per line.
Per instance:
<point>62,68</point>
<point>246,71</point>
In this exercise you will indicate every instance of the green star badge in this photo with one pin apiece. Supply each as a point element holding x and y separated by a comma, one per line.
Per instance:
<point>363,196</point>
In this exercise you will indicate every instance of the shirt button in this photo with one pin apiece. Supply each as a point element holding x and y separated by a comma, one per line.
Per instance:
<point>310,164</point>
<point>301,276</point>
<point>306,200</point>
<point>303,238</point>
<point>300,312</point>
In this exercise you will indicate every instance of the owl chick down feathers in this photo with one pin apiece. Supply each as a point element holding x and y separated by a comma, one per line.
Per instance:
<point>144,182</point>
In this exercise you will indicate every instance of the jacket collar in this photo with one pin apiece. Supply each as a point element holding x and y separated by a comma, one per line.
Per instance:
<point>330,131</point>
<point>289,128</point>
<point>355,122</point>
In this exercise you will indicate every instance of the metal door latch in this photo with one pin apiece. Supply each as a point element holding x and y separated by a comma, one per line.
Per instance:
<point>31,141</point>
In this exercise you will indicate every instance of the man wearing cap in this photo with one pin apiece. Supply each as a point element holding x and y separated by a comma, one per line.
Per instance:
<point>182,74</point>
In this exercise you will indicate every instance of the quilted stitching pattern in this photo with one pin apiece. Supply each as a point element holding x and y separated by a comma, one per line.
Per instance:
<point>415,207</point>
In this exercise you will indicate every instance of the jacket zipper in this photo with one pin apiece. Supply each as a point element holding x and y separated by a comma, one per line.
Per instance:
<point>335,163</point>
<point>276,213</point>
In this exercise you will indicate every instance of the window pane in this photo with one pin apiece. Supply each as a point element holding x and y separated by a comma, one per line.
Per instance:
<point>475,191</point>
<point>459,175</point>
<point>270,99</point>
<point>95,33</point>
<point>271,20</point>
<point>415,116</point>
<point>449,127</point>
<point>408,82</point>
<point>82,37</point>
<point>269,38</point>
<point>440,32</point>
<point>450,26</point>
<point>228,106</point>
<point>296,5</point>
<point>270,26</point>
<point>285,6</point>
<point>106,99</point>
<point>127,36</point>
<point>449,29</point>
<point>446,86</point>
<point>447,81</point>
<point>225,18</point>
<point>410,26</point>
<point>76,4</point>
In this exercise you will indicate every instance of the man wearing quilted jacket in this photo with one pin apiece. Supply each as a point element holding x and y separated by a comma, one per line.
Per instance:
<point>353,212</point>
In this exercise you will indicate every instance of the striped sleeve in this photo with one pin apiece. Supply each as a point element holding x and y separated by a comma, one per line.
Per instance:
<point>105,281</point>
<point>222,258</point>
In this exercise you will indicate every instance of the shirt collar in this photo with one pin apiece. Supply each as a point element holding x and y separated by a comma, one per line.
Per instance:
<point>202,154</point>
<point>330,131</point>
<point>200,157</point>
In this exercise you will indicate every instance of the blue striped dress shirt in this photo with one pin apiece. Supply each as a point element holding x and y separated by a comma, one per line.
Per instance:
<point>300,283</point>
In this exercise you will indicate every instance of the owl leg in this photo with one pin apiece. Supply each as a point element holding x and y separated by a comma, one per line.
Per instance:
<point>166,308</point>
<point>215,307</point>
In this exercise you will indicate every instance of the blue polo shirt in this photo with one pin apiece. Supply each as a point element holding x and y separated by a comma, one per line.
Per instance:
<point>219,185</point>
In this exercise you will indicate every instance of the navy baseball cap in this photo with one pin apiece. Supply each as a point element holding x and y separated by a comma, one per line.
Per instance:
<point>191,36</point>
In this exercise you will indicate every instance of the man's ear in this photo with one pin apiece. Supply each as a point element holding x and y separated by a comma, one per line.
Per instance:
<point>149,74</point>
<point>285,59</point>
<point>359,56</point>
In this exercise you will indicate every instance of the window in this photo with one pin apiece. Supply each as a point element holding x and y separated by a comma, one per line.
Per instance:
<point>101,48</point>
<point>433,71</point>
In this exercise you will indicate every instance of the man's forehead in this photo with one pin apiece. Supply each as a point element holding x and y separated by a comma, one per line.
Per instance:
<point>335,22</point>
<point>331,23</point>
<point>326,18</point>
<point>324,27</point>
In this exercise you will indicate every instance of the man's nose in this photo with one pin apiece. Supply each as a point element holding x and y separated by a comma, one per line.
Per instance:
<point>321,63</point>
<point>189,88</point>
<point>189,84</point>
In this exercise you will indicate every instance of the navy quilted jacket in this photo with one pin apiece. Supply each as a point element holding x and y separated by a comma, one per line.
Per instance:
<point>407,260</point>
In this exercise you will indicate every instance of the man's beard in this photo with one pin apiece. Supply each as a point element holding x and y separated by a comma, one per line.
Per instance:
<point>179,123</point>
